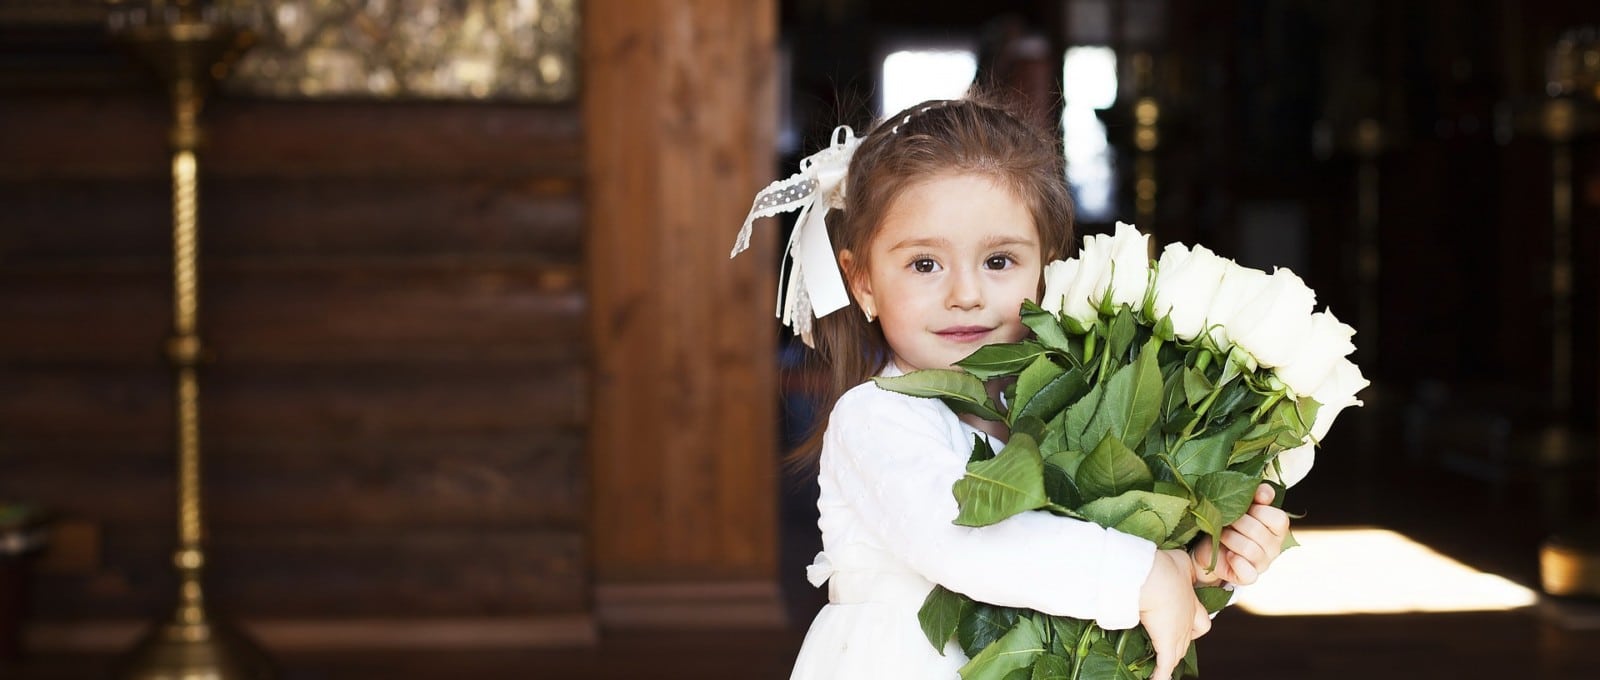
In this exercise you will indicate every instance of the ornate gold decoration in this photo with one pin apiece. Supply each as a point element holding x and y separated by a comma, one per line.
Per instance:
<point>432,49</point>
<point>190,45</point>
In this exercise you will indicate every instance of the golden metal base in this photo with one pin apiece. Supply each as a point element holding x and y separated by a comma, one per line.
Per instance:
<point>1569,564</point>
<point>174,651</point>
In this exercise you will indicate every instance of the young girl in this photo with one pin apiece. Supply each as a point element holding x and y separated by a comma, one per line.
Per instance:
<point>942,219</point>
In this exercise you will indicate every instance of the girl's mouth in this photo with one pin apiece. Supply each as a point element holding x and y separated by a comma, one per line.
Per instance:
<point>964,333</point>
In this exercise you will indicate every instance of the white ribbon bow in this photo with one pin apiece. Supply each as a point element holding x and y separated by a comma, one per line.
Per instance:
<point>814,288</point>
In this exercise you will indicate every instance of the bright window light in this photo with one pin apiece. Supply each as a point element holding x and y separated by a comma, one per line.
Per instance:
<point>1089,77</point>
<point>1363,570</point>
<point>912,76</point>
<point>1089,82</point>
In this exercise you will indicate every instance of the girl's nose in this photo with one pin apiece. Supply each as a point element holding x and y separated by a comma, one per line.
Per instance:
<point>966,291</point>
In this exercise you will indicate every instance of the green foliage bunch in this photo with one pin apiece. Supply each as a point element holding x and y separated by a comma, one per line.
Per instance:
<point>1117,420</point>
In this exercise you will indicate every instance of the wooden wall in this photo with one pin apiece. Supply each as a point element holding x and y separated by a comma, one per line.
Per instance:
<point>395,409</point>
<point>481,363</point>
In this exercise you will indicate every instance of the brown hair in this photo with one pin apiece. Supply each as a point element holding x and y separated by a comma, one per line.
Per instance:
<point>934,138</point>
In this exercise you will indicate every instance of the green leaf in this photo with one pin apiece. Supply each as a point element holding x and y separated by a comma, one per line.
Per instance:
<point>1213,598</point>
<point>1231,493</point>
<point>1051,667</point>
<point>1078,416</point>
<point>1148,515</point>
<point>1205,455</point>
<point>1206,516</point>
<point>1111,469</point>
<point>1064,634</point>
<point>1055,436</point>
<point>1038,373</point>
<point>1049,401</point>
<point>982,625</point>
<point>941,612</point>
<point>1289,541</point>
<point>1164,329</point>
<point>1012,482</point>
<point>1132,400</point>
<point>1023,673</point>
<point>1018,648</point>
<point>1045,326</point>
<point>1306,409</point>
<point>1135,650</point>
<point>1100,662</point>
<point>1196,386</point>
<point>992,361</point>
<point>1185,532</point>
<point>961,391</point>
<point>1121,333</point>
<point>1235,399</point>
<point>1059,487</point>
<point>981,450</point>
<point>1069,461</point>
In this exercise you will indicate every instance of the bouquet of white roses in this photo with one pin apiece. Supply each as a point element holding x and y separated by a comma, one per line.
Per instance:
<point>1152,400</point>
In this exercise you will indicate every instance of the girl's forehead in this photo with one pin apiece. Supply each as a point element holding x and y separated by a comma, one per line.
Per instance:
<point>956,207</point>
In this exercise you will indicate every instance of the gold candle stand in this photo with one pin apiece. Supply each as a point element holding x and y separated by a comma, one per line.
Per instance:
<point>190,47</point>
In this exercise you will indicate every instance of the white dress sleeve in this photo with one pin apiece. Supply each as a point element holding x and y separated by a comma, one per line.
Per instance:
<point>893,461</point>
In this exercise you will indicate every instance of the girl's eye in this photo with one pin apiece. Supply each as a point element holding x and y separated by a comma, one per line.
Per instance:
<point>924,265</point>
<point>997,262</point>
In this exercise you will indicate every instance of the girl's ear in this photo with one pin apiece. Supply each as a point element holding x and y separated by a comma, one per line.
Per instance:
<point>856,276</point>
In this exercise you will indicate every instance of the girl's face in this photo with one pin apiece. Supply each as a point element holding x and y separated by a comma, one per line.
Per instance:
<point>949,268</point>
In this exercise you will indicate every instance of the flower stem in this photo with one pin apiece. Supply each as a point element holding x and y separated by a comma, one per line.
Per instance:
<point>1200,415</point>
<point>1082,651</point>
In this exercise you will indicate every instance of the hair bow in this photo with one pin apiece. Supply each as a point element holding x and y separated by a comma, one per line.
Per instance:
<point>813,288</point>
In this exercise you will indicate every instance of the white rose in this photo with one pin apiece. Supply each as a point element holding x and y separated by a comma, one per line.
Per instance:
<point>1127,274</point>
<point>1058,276</point>
<point>1327,341</point>
<point>1295,464</point>
<point>1186,281</point>
<point>1336,393</point>
<point>1273,325</point>
<point>1239,285</point>
<point>1078,299</point>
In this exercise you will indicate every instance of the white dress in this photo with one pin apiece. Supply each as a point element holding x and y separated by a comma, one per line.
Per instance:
<point>888,463</point>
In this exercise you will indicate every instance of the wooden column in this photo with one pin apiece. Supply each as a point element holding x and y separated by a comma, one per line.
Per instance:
<point>679,116</point>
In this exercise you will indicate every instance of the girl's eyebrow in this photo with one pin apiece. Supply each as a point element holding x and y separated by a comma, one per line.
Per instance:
<point>921,243</point>
<point>991,242</point>
<point>997,241</point>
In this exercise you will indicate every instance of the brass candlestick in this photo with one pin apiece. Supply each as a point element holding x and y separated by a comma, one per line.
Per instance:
<point>190,46</point>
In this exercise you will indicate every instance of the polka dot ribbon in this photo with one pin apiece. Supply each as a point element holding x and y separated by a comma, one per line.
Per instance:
<point>813,287</point>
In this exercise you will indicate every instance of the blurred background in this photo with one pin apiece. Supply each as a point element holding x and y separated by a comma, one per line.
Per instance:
<point>479,392</point>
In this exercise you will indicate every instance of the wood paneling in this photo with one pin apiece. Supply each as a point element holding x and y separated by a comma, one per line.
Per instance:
<point>125,137</point>
<point>276,573</point>
<point>394,403</point>
<point>683,337</point>
<point>301,309</point>
<point>517,480</point>
<point>55,218</point>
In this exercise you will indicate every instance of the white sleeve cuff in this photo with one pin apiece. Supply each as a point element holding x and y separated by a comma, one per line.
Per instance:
<point>1124,566</point>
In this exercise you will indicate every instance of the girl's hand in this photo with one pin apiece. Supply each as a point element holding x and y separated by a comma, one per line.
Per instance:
<point>1169,610</point>
<point>1249,545</point>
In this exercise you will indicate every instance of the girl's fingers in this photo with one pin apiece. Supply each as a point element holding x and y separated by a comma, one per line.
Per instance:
<point>1244,573</point>
<point>1264,494</point>
<point>1274,519</point>
<point>1250,542</point>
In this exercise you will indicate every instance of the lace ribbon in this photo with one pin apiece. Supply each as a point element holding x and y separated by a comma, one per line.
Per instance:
<point>813,287</point>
